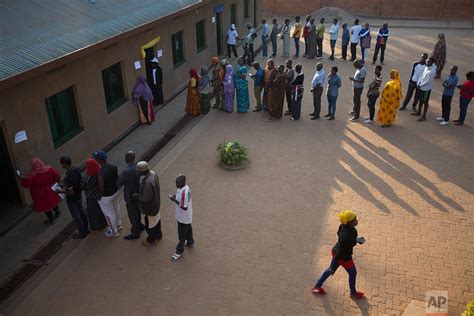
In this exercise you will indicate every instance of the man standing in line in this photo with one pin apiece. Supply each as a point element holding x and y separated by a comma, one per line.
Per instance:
<point>358,86</point>
<point>320,38</point>
<point>449,86</point>
<point>416,72</point>
<point>108,194</point>
<point>307,25</point>
<point>130,180</point>
<point>317,89</point>
<point>273,37</point>
<point>184,216</point>
<point>465,96</point>
<point>231,39</point>
<point>72,183</point>
<point>373,93</point>
<point>297,92</point>
<point>355,30</point>
<point>248,44</point>
<point>425,84</point>
<point>382,38</point>
<point>364,35</point>
<point>258,85</point>
<point>297,36</point>
<point>344,41</point>
<point>290,76</point>
<point>265,36</point>
<point>334,83</point>
<point>333,33</point>
<point>148,200</point>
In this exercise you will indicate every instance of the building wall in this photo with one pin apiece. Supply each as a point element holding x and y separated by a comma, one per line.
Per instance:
<point>425,9</point>
<point>22,107</point>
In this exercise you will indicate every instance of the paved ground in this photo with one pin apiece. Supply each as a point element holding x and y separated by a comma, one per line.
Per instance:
<point>263,235</point>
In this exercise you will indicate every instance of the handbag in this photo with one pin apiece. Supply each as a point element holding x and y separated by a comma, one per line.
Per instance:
<point>365,43</point>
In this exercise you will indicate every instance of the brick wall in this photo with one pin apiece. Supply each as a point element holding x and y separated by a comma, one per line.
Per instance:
<point>425,9</point>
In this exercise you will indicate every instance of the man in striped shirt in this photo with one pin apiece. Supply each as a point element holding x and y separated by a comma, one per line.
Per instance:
<point>373,93</point>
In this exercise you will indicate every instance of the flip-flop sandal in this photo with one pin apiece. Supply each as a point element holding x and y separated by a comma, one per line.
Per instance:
<point>176,256</point>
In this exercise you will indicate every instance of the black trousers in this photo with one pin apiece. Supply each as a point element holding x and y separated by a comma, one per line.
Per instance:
<point>289,102</point>
<point>306,46</point>
<point>353,51</point>
<point>296,108</point>
<point>319,42</point>
<point>229,48</point>
<point>417,101</point>
<point>356,99</point>
<point>382,52</point>
<point>185,233</point>
<point>135,218</point>
<point>371,101</point>
<point>317,92</point>
<point>344,51</point>
<point>248,54</point>
<point>154,233</point>
<point>446,106</point>
<point>410,90</point>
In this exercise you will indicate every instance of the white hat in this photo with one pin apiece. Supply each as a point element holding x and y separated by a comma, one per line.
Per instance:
<point>142,166</point>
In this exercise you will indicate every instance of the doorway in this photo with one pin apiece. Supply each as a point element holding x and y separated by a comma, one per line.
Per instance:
<point>219,33</point>
<point>149,55</point>
<point>9,194</point>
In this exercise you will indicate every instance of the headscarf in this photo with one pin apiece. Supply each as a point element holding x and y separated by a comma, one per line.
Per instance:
<point>92,167</point>
<point>204,81</point>
<point>141,90</point>
<point>215,60</point>
<point>193,74</point>
<point>229,72</point>
<point>396,83</point>
<point>37,167</point>
<point>270,64</point>
<point>346,216</point>
<point>439,51</point>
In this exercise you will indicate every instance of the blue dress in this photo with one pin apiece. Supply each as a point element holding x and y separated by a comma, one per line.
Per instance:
<point>242,89</point>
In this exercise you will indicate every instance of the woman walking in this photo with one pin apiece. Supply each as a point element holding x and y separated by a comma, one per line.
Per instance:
<point>39,180</point>
<point>143,101</point>
<point>193,104</point>
<point>205,91</point>
<point>90,185</point>
<point>241,86</point>
<point>229,89</point>
<point>439,54</point>
<point>342,254</point>
<point>390,101</point>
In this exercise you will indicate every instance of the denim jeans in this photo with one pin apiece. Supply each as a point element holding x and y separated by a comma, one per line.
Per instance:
<point>463,103</point>
<point>332,105</point>
<point>79,216</point>
<point>264,46</point>
<point>297,46</point>
<point>352,276</point>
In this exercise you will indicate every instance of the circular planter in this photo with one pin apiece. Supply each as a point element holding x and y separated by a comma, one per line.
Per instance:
<point>241,165</point>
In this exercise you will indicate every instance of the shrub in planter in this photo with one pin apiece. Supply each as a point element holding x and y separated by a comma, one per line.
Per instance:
<point>231,153</point>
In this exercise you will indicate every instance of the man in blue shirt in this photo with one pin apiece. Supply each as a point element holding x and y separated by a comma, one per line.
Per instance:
<point>258,85</point>
<point>345,40</point>
<point>449,86</point>
<point>265,36</point>
<point>317,89</point>
<point>382,37</point>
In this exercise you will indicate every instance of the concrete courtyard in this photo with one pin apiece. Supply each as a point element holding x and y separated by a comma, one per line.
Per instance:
<point>264,234</point>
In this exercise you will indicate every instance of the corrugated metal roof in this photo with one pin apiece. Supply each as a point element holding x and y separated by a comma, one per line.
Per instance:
<point>35,32</point>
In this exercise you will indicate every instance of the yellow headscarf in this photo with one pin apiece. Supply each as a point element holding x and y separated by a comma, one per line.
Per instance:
<point>346,216</point>
<point>396,83</point>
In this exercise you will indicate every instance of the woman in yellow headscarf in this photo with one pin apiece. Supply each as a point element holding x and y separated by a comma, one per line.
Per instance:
<point>390,101</point>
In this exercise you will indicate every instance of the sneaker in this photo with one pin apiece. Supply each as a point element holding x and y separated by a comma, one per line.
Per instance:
<point>351,113</point>
<point>330,118</point>
<point>131,237</point>
<point>318,290</point>
<point>188,244</point>
<point>368,121</point>
<point>440,119</point>
<point>403,108</point>
<point>315,118</point>
<point>354,118</point>
<point>357,295</point>
<point>110,234</point>
<point>444,123</point>
<point>327,115</point>
<point>319,58</point>
<point>176,256</point>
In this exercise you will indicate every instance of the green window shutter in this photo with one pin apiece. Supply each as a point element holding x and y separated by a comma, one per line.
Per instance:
<point>62,116</point>
<point>178,49</point>
<point>200,36</point>
<point>113,87</point>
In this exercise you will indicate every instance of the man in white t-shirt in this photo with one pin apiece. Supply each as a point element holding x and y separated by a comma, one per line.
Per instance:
<point>231,39</point>
<point>355,30</point>
<point>184,216</point>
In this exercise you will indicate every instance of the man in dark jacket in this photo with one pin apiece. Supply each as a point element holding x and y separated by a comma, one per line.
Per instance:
<point>342,253</point>
<point>130,180</point>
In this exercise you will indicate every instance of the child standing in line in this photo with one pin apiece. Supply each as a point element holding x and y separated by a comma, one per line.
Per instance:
<point>184,216</point>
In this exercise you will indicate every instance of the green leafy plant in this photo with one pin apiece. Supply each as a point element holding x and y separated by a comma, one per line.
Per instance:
<point>231,153</point>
